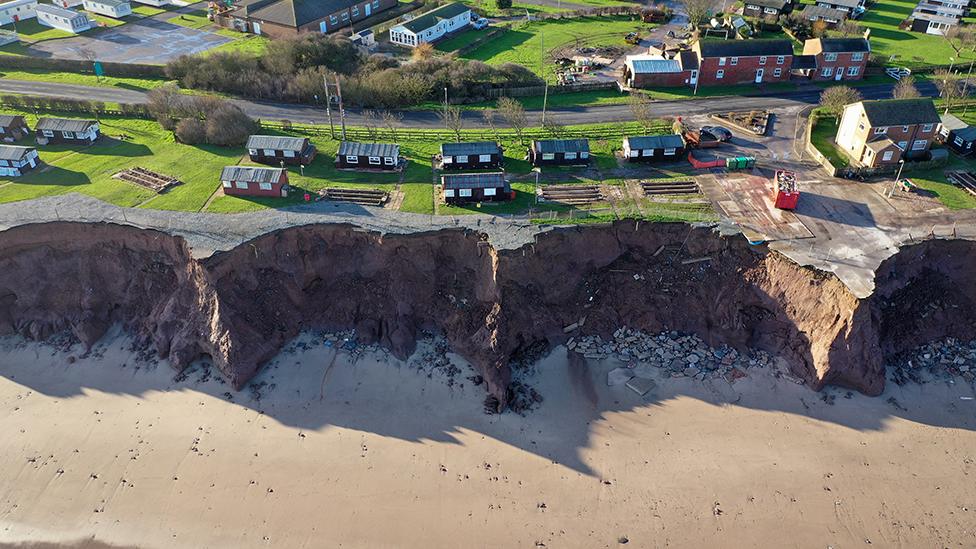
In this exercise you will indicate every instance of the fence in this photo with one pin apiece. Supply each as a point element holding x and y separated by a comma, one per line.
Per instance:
<point>52,104</point>
<point>535,91</point>
<point>122,70</point>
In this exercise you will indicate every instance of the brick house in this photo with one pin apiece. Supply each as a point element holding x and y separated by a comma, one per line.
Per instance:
<point>252,181</point>
<point>766,8</point>
<point>283,18</point>
<point>730,62</point>
<point>881,133</point>
<point>838,58</point>
<point>647,71</point>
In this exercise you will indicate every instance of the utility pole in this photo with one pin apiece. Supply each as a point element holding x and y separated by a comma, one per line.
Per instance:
<point>542,70</point>
<point>342,111</point>
<point>965,88</point>
<point>328,105</point>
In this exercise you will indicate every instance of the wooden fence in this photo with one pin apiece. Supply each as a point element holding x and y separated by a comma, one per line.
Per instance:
<point>535,91</point>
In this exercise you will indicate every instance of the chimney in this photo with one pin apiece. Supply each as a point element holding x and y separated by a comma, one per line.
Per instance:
<point>867,34</point>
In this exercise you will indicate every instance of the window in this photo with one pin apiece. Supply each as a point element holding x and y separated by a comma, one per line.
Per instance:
<point>388,160</point>
<point>448,160</point>
<point>721,61</point>
<point>264,186</point>
<point>569,156</point>
<point>904,129</point>
<point>241,184</point>
<point>920,145</point>
<point>927,128</point>
<point>853,71</point>
<point>269,152</point>
<point>461,159</point>
<point>719,74</point>
<point>958,141</point>
<point>778,72</point>
<point>289,154</point>
<point>735,61</point>
<point>886,156</point>
<point>68,135</point>
<point>374,160</point>
<point>3,163</point>
<point>780,60</point>
<point>47,133</point>
<point>771,11</point>
<point>669,152</point>
<point>464,192</point>
<point>448,193</point>
<point>830,57</point>
<point>857,56</point>
<point>345,16</point>
<point>352,159</point>
<point>903,145</point>
<point>484,158</point>
<point>548,156</point>
<point>762,60</point>
<point>827,71</point>
<point>227,184</point>
<point>333,20</point>
<point>584,155</point>
<point>355,11</point>
<point>648,152</point>
<point>880,130</point>
<point>376,4</point>
<point>252,152</point>
<point>491,191</point>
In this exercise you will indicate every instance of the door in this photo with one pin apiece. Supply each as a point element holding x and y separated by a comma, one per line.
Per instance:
<point>759,75</point>
<point>256,27</point>
<point>694,77</point>
<point>322,27</point>
<point>368,9</point>
<point>839,74</point>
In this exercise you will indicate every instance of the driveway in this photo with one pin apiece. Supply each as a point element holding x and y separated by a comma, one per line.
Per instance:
<point>151,40</point>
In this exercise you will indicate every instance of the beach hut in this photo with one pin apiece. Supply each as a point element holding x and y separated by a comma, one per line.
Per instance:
<point>482,155</point>
<point>254,181</point>
<point>367,156</point>
<point>13,127</point>
<point>653,148</point>
<point>956,134</point>
<point>555,152</point>
<point>475,187</point>
<point>66,130</point>
<point>14,160</point>
<point>273,149</point>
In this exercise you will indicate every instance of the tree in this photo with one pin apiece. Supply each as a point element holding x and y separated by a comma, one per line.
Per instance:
<point>949,87</point>
<point>392,120</point>
<point>423,51</point>
<point>228,125</point>
<point>191,131</point>
<point>370,123</point>
<point>553,127</point>
<point>959,38</point>
<point>697,10</point>
<point>905,88</point>
<point>450,115</point>
<point>640,107</point>
<point>513,113</point>
<point>835,98</point>
<point>819,28</point>
<point>488,116</point>
<point>846,28</point>
<point>503,4</point>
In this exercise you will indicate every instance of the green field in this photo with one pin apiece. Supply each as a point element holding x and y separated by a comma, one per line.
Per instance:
<point>534,44</point>
<point>85,79</point>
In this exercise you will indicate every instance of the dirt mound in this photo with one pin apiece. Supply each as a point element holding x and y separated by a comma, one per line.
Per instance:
<point>240,307</point>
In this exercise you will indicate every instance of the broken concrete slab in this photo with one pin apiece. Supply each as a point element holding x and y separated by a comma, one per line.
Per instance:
<point>641,385</point>
<point>619,376</point>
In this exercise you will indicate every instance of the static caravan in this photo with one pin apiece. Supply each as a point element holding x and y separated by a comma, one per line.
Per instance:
<point>13,128</point>
<point>475,187</point>
<point>156,3</point>
<point>484,155</point>
<point>654,148</point>
<point>273,149</point>
<point>17,10</point>
<point>62,19</point>
<point>367,156</point>
<point>957,135</point>
<point>432,25</point>
<point>555,152</point>
<point>66,130</point>
<point>15,161</point>
<point>254,181</point>
<point>116,9</point>
<point>68,3</point>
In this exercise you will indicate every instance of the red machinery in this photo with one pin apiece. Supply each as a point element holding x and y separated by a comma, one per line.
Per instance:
<point>786,193</point>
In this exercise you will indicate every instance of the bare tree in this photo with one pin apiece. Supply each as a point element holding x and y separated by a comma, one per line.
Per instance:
<point>392,122</point>
<point>488,115</point>
<point>552,126</point>
<point>845,29</point>
<point>514,114</point>
<point>640,107</point>
<point>424,50</point>
<point>697,10</point>
<point>960,38</point>
<point>905,88</point>
<point>835,98</point>
<point>949,87</point>
<point>450,115</point>
<point>370,122</point>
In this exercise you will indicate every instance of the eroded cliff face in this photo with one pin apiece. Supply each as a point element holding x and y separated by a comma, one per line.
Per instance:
<point>240,307</point>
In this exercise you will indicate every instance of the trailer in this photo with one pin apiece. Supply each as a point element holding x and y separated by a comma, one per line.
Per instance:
<point>786,193</point>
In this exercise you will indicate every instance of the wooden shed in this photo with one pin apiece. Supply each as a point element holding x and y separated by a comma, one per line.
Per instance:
<point>957,135</point>
<point>483,155</point>
<point>555,152</point>
<point>654,148</point>
<point>15,161</point>
<point>13,128</point>
<point>254,181</point>
<point>475,187</point>
<point>368,156</point>
<point>66,130</point>
<point>274,149</point>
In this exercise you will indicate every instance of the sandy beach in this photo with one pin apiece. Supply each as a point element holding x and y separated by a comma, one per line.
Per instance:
<point>325,449</point>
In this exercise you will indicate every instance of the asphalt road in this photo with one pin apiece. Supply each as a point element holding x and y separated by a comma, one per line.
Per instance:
<point>427,119</point>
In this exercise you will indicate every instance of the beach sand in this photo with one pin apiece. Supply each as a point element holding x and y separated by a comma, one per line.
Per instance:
<point>104,451</point>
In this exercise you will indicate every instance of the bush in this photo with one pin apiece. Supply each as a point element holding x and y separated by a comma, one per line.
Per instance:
<point>229,126</point>
<point>503,4</point>
<point>191,131</point>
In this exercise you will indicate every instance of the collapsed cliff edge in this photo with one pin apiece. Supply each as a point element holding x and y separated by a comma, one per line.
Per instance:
<point>241,306</point>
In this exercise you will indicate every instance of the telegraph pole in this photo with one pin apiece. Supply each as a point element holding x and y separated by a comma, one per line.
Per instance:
<point>342,111</point>
<point>328,105</point>
<point>542,69</point>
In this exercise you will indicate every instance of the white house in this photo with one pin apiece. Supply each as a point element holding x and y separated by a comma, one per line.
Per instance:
<point>17,10</point>
<point>14,161</point>
<point>62,18</point>
<point>432,25</point>
<point>116,9</point>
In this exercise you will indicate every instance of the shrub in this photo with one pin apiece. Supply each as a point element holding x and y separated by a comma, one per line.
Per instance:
<point>191,131</point>
<point>229,126</point>
<point>503,4</point>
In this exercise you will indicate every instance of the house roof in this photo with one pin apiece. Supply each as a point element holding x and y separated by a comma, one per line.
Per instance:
<point>7,120</point>
<point>351,148</point>
<point>57,10</point>
<point>952,122</point>
<point>428,19</point>
<point>63,124</point>
<point>778,4</point>
<point>846,3</point>
<point>881,144</point>
<point>671,141</point>
<point>292,13</point>
<point>836,45</point>
<point>804,62</point>
<point>821,12</point>
<point>744,48</point>
<point>111,3</point>
<point>251,173</point>
<point>921,16</point>
<point>688,59</point>
<point>474,180</point>
<point>13,152</point>
<point>561,145</point>
<point>646,65</point>
<point>481,147</point>
<point>900,112</point>
<point>276,142</point>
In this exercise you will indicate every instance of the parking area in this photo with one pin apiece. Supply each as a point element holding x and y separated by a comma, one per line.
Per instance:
<point>746,199</point>
<point>151,40</point>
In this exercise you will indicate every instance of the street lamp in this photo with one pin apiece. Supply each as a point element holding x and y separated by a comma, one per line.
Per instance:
<point>894,185</point>
<point>445,95</point>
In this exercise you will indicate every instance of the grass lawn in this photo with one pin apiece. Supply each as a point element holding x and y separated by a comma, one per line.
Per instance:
<point>822,138</point>
<point>250,44</point>
<point>523,43</point>
<point>196,19</point>
<point>459,40</point>
<point>40,75</point>
<point>31,31</point>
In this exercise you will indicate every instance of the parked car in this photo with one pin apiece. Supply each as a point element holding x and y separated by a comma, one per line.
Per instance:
<point>721,134</point>
<point>480,23</point>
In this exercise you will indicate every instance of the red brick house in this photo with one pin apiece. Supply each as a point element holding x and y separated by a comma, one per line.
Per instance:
<point>282,18</point>
<point>731,62</point>
<point>254,181</point>
<point>649,71</point>
<point>877,134</point>
<point>838,58</point>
